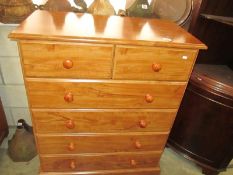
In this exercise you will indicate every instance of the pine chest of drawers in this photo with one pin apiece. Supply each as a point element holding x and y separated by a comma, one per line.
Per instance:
<point>103,91</point>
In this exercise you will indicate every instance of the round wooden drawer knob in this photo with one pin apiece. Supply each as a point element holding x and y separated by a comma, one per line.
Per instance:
<point>71,146</point>
<point>149,98</point>
<point>156,67</point>
<point>138,145</point>
<point>70,124</point>
<point>69,97</point>
<point>68,64</point>
<point>142,123</point>
<point>133,162</point>
<point>72,165</point>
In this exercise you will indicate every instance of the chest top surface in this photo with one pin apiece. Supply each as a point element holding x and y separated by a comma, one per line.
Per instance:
<point>69,26</point>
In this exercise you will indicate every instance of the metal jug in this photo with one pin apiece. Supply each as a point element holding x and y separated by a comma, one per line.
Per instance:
<point>22,147</point>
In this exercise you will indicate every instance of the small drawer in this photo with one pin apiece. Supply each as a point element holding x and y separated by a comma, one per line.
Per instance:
<point>101,143</point>
<point>66,60</point>
<point>102,120</point>
<point>153,63</point>
<point>95,162</point>
<point>67,93</point>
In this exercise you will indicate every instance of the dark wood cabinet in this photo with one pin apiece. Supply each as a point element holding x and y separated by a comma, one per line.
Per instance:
<point>203,129</point>
<point>3,124</point>
<point>216,35</point>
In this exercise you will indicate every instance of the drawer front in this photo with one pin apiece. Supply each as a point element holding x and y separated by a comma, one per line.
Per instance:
<point>135,171</point>
<point>151,63</point>
<point>89,162</point>
<point>52,93</point>
<point>98,121</point>
<point>67,61</point>
<point>100,143</point>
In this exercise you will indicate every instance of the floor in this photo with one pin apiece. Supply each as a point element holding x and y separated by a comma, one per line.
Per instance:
<point>171,164</point>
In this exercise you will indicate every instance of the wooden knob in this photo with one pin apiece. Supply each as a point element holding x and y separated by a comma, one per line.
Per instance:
<point>142,123</point>
<point>68,64</point>
<point>133,162</point>
<point>149,98</point>
<point>156,67</point>
<point>69,97</point>
<point>138,145</point>
<point>70,124</point>
<point>71,146</point>
<point>72,165</point>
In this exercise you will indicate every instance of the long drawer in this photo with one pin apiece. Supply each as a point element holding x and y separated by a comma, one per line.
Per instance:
<point>69,93</point>
<point>137,171</point>
<point>67,60</point>
<point>102,120</point>
<point>89,162</point>
<point>101,143</point>
<point>153,63</point>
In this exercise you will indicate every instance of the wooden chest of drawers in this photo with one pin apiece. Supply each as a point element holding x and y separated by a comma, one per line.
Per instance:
<point>103,91</point>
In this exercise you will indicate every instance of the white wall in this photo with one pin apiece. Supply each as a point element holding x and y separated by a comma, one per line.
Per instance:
<point>12,90</point>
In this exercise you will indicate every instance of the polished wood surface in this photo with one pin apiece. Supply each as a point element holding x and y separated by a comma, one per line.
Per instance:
<point>103,94</point>
<point>96,143</point>
<point>203,128</point>
<point>107,120</point>
<point>90,162</point>
<point>104,91</point>
<point>3,124</point>
<point>210,31</point>
<point>68,26</point>
<point>138,171</point>
<point>153,63</point>
<point>208,74</point>
<point>67,61</point>
<point>195,14</point>
<point>220,19</point>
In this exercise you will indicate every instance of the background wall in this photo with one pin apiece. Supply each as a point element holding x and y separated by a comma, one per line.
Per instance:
<point>12,90</point>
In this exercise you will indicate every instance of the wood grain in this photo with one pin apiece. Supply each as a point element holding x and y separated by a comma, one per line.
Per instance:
<point>89,162</point>
<point>207,110</point>
<point>49,93</point>
<point>100,103</point>
<point>68,26</point>
<point>135,63</point>
<point>97,121</point>
<point>46,60</point>
<point>137,171</point>
<point>101,143</point>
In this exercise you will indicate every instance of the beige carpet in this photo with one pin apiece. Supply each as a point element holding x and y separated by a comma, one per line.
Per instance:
<point>8,167</point>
